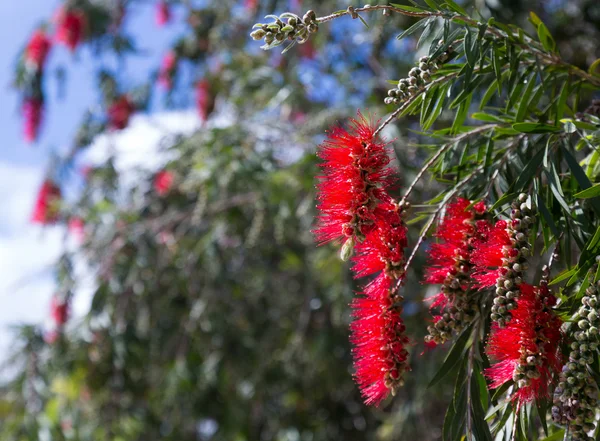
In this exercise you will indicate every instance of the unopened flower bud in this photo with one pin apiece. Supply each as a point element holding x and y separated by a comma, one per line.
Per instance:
<point>258,34</point>
<point>347,249</point>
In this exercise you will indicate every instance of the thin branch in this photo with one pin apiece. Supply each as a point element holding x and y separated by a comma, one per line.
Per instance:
<point>432,219</point>
<point>410,100</point>
<point>530,45</point>
<point>435,157</point>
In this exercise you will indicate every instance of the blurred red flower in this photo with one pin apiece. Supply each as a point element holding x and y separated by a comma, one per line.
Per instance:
<point>46,206</point>
<point>37,49</point>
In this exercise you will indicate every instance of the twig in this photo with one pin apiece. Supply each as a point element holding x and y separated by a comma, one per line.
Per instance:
<point>528,45</point>
<point>435,214</point>
<point>435,157</point>
<point>410,100</point>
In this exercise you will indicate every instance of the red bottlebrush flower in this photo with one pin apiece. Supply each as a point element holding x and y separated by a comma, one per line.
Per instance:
<point>119,113</point>
<point>527,349</point>
<point>163,182</point>
<point>355,180</point>
<point>204,99</point>
<point>76,228</point>
<point>380,357</point>
<point>37,49</point>
<point>383,247</point>
<point>449,266</point>
<point>489,254</point>
<point>33,110</point>
<point>167,70</point>
<point>307,50</point>
<point>51,336</point>
<point>501,257</point>
<point>163,13</point>
<point>454,231</point>
<point>59,311</point>
<point>46,206</point>
<point>250,4</point>
<point>70,26</point>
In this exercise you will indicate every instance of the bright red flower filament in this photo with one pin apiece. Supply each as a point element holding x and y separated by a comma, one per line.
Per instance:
<point>120,112</point>
<point>163,13</point>
<point>46,205</point>
<point>526,350</point>
<point>449,266</point>
<point>356,208</point>
<point>203,99</point>
<point>59,311</point>
<point>355,180</point>
<point>70,27</point>
<point>37,49</point>
<point>32,114</point>
<point>167,70</point>
<point>163,182</point>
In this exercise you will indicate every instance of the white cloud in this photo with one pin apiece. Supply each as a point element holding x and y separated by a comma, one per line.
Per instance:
<point>28,252</point>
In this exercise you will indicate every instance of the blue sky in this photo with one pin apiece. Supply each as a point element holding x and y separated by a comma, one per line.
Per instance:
<point>27,252</point>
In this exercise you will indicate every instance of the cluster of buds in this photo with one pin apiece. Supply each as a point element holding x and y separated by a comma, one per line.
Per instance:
<point>295,29</point>
<point>418,78</point>
<point>460,312</point>
<point>395,349</point>
<point>576,397</point>
<point>514,260</point>
<point>456,287</point>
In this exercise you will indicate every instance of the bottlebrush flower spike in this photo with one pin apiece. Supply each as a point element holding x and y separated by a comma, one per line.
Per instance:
<point>33,109</point>
<point>167,70</point>
<point>355,180</point>
<point>70,24</point>
<point>46,206</point>
<point>576,397</point>
<point>163,182</point>
<point>383,247</point>
<point>76,227</point>
<point>356,208</point>
<point>119,113</point>
<point>59,310</point>
<point>501,258</point>
<point>163,13</point>
<point>37,50</point>
<point>204,99</point>
<point>449,265</point>
<point>526,350</point>
<point>380,357</point>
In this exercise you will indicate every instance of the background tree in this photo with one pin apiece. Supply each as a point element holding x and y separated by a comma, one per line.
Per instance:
<point>214,316</point>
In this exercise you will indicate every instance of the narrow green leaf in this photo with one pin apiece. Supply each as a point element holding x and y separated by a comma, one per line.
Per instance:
<point>407,8</point>
<point>580,176</point>
<point>594,67</point>
<point>363,21</point>
<point>547,216</point>
<point>591,192</point>
<point>542,408</point>
<point>456,8</point>
<point>525,127</point>
<point>427,32</point>
<point>454,355</point>
<point>482,116</point>
<point>556,436</point>
<point>470,47</point>
<point>461,114</point>
<point>497,64</point>
<point>414,28</point>
<point>566,274</point>
<point>441,48</point>
<point>488,94</point>
<point>433,4</point>
<point>562,101</point>
<point>546,38</point>
<point>524,104</point>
